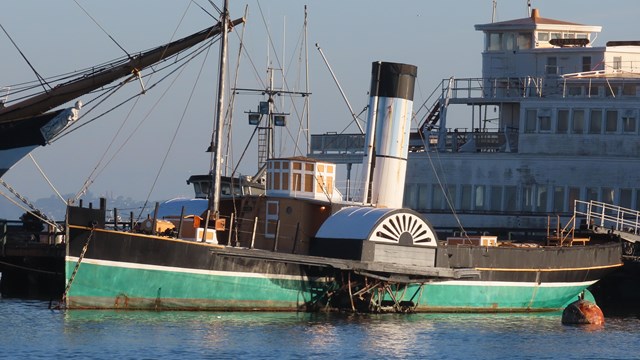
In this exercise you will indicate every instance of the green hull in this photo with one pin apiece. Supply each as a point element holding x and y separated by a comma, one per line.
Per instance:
<point>166,288</point>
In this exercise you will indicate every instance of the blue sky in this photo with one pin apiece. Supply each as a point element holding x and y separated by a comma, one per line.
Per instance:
<point>58,37</point>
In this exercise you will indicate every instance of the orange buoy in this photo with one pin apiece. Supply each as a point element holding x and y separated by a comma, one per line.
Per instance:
<point>582,312</point>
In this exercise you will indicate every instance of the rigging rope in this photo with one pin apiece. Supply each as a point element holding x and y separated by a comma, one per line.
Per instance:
<point>101,28</point>
<point>46,178</point>
<point>40,78</point>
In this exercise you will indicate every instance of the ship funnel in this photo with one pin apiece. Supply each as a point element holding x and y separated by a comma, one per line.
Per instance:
<point>387,137</point>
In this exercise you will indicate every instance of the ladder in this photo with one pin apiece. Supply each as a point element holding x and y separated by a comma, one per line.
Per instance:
<point>607,218</point>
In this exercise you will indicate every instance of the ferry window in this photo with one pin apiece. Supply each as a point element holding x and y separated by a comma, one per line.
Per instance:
<point>625,198</point>
<point>578,121</point>
<point>451,193</point>
<point>629,89</point>
<point>617,62</point>
<point>595,122</point>
<point>558,199</point>
<point>592,194</point>
<point>524,41</point>
<point>586,63</point>
<point>612,121</point>
<point>608,195</point>
<point>594,90</point>
<point>544,120</point>
<point>510,198</point>
<point>527,198</point>
<point>437,199</point>
<point>611,90</point>
<point>423,196</point>
<point>530,121</point>
<point>628,124</point>
<point>541,199</point>
<point>543,36</point>
<point>555,35</point>
<point>582,36</point>
<point>465,203</point>
<point>569,35</point>
<point>563,121</point>
<point>496,198</point>
<point>574,194</point>
<point>411,197</point>
<point>494,41</point>
<point>575,90</point>
<point>552,65</point>
<point>479,198</point>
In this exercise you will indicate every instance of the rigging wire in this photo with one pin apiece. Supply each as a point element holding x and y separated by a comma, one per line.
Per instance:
<point>101,28</point>
<point>175,134</point>
<point>46,178</point>
<point>40,78</point>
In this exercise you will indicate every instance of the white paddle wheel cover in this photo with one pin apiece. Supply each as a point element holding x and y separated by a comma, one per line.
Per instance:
<point>412,229</point>
<point>391,226</point>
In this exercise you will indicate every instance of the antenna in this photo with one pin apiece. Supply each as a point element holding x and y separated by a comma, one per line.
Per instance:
<point>493,11</point>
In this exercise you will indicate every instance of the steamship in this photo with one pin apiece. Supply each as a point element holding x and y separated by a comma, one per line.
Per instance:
<point>301,247</point>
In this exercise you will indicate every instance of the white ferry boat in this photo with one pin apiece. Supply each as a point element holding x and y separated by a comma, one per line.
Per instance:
<point>554,119</point>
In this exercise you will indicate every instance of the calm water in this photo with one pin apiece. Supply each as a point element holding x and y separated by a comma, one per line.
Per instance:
<point>30,331</point>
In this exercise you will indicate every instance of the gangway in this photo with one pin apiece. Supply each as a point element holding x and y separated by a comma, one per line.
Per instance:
<point>612,219</point>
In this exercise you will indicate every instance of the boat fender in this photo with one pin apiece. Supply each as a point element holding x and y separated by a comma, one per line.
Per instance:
<point>582,312</point>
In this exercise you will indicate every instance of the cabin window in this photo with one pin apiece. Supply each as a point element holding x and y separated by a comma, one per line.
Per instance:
<point>578,121</point>
<point>297,182</point>
<point>541,199</point>
<point>594,90</point>
<point>558,199</point>
<point>586,63</point>
<point>629,89</point>
<point>569,35</point>
<point>271,220</point>
<point>276,164</point>
<point>610,91</point>
<point>308,182</point>
<point>496,198</point>
<point>297,165</point>
<point>285,180</point>
<point>510,198</point>
<point>530,121</point>
<point>285,165</point>
<point>612,121</point>
<point>330,185</point>
<point>582,36</point>
<point>509,41</point>
<point>543,36</point>
<point>308,166</point>
<point>595,122</point>
<point>524,41</point>
<point>626,195</point>
<point>205,188</point>
<point>552,66</point>
<point>563,121</point>
<point>479,198</point>
<point>575,90</point>
<point>555,35</point>
<point>592,194</point>
<point>320,184</point>
<point>320,167</point>
<point>617,62</point>
<point>494,41</point>
<point>629,124</point>
<point>276,181</point>
<point>465,198</point>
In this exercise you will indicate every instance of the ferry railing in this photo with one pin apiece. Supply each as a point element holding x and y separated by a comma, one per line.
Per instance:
<point>608,216</point>
<point>493,88</point>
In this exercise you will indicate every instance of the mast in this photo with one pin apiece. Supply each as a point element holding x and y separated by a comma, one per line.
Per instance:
<point>63,93</point>
<point>214,201</point>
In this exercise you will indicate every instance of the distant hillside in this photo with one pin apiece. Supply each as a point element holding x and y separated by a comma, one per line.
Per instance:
<point>55,209</point>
